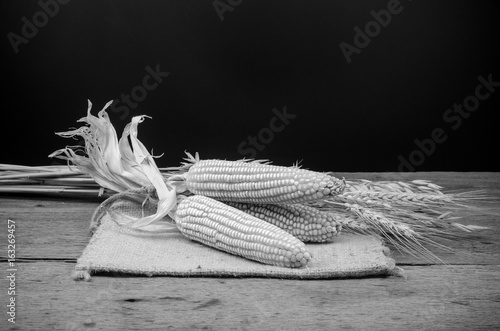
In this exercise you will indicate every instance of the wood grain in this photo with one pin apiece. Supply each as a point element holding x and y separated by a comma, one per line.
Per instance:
<point>432,297</point>
<point>51,233</point>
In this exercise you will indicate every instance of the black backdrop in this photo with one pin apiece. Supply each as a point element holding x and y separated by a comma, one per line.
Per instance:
<point>233,65</point>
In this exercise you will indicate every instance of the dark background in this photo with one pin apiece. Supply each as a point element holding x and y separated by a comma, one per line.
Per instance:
<point>227,76</point>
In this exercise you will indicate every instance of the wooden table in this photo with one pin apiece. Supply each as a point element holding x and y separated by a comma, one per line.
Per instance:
<point>51,233</point>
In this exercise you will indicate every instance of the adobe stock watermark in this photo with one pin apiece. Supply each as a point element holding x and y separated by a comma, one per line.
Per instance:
<point>265,136</point>
<point>150,81</point>
<point>221,7</point>
<point>11,271</point>
<point>454,117</point>
<point>29,29</point>
<point>372,29</point>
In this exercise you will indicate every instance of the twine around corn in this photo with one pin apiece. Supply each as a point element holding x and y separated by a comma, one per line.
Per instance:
<point>406,214</point>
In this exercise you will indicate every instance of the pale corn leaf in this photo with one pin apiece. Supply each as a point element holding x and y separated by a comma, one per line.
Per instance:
<point>167,196</point>
<point>119,165</point>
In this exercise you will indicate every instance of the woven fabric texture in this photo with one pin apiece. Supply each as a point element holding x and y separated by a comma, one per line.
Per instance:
<point>116,248</point>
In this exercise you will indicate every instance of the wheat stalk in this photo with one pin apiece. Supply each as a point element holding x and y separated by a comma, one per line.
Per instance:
<point>415,186</point>
<point>408,216</point>
<point>393,198</point>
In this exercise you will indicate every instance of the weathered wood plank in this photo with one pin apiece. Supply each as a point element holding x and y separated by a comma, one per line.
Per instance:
<point>47,228</point>
<point>432,298</point>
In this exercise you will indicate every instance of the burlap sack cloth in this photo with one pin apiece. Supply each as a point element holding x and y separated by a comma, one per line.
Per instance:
<point>116,248</point>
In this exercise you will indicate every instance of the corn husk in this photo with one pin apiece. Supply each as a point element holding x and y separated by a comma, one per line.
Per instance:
<point>120,165</point>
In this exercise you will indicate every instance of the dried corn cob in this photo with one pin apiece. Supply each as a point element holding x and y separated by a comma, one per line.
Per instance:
<point>254,182</point>
<point>226,228</point>
<point>306,223</point>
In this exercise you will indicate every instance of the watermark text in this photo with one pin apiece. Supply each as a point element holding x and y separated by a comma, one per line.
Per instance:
<point>454,117</point>
<point>11,271</point>
<point>221,7</point>
<point>150,81</point>
<point>265,136</point>
<point>372,29</point>
<point>30,28</point>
